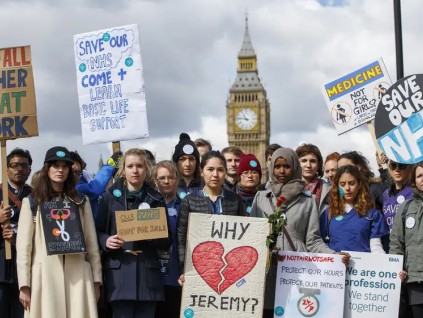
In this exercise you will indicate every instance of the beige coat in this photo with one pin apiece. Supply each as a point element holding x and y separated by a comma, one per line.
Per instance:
<point>61,286</point>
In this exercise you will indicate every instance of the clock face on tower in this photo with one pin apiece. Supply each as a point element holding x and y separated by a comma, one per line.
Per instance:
<point>246,119</point>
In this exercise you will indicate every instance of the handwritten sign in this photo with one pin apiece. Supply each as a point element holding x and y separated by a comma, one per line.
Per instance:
<point>399,120</point>
<point>372,285</point>
<point>110,85</point>
<point>352,99</point>
<point>225,266</point>
<point>143,224</point>
<point>309,284</point>
<point>18,114</point>
<point>62,227</point>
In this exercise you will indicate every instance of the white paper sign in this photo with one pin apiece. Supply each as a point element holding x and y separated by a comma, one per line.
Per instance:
<point>352,99</point>
<point>110,85</point>
<point>372,287</point>
<point>309,285</point>
<point>225,266</point>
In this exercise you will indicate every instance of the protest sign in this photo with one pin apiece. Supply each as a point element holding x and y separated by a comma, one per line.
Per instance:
<point>110,85</point>
<point>399,120</point>
<point>62,227</point>
<point>225,266</point>
<point>309,284</point>
<point>142,224</point>
<point>18,114</point>
<point>372,285</point>
<point>352,99</point>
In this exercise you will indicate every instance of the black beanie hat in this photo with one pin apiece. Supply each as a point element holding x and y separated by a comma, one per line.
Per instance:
<point>185,147</point>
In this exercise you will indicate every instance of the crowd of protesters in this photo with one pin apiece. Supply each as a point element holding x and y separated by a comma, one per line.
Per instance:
<point>332,205</point>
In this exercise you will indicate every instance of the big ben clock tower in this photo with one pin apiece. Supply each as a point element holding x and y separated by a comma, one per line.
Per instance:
<point>247,108</point>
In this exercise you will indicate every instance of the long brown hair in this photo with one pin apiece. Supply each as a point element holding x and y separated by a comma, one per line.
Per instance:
<point>363,202</point>
<point>43,191</point>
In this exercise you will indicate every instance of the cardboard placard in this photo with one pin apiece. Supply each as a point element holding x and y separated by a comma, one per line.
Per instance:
<point>399,120</point>
<point>62,227</point>
<point>352,99</point>
<point>309,285</point>
<point>110,85</point>
<point>225,266</point>
<point>142,224</point>
<point>18,114</point>
<point>372,286</point>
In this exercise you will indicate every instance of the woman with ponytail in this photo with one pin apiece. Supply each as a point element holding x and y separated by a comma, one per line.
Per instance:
<point>351,223</point>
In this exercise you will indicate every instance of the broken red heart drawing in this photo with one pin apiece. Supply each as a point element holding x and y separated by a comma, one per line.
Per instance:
<point>221,272</point>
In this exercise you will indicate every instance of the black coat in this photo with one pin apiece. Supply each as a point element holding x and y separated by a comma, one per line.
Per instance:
<point>8,267</point>
<point>231,205</point>
<point>127,276</point>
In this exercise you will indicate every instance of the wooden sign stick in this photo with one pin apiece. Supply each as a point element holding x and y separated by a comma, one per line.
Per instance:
<point>7,246</point>
<point>379,151</point>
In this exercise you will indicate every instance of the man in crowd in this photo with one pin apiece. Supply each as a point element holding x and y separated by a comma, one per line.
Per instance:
<point>187,158</point>
<point>231,155</point>
<point>19,163</point>
<point>203,146</point>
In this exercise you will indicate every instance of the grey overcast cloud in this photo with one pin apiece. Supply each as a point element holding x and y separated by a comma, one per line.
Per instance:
<point>189,50</point>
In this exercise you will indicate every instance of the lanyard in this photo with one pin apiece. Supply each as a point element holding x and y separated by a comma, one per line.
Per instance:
<point>215,206</point>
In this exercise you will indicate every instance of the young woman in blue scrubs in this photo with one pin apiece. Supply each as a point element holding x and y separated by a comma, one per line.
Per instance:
<point>351,223</point>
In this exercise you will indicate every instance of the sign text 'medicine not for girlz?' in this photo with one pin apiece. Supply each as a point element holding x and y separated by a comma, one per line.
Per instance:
<point>225,266</point>
<point>352,99</point>
<point>309,284</point>
<point>18,114</point>
<point>110,85</point>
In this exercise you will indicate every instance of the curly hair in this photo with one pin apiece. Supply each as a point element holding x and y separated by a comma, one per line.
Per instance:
<point>310,149</point>
<point>359,160</point>
<point>362,203</point>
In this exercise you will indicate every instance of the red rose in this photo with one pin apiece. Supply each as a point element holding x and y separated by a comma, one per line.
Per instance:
<point>280,201</point>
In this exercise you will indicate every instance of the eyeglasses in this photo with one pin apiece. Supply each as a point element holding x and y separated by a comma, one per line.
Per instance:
<point>252,172</point>
<point>77,173</point>
<point>395,165</point>
<point>164,179</point>
<point>17,165</point>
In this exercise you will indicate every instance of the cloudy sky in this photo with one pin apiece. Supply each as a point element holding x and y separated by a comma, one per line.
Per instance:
<point>189,51</point>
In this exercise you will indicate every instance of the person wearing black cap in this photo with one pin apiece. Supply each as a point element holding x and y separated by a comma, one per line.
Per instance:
<point>65,269</point>
<point>187,158</point>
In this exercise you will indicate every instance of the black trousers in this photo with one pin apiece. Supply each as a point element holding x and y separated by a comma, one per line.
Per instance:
<point>10,306</point>
<point>133,309</point>
<point>171,307</point>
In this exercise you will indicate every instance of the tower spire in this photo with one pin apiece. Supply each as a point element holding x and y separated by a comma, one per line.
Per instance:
<point>247,49</point>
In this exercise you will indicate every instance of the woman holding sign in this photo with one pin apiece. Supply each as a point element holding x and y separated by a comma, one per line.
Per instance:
<point>212,199</point>
<point>406,237</point>
<point>351,223</point>
<point>302,228</point>
<point>59,270</point>
<point>133,281</point>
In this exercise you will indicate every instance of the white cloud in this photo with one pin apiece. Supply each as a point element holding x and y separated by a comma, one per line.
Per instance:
<point>190,49</point>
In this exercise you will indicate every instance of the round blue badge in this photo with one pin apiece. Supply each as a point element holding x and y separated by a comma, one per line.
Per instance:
<point>307,193</point>
<point>172,212</point>
<point>129,61</point>
<point>253,164</point>
<point>106,37</point>
<point>60,154</point>
<point>82,67</point>
<point>182,195</point>
<point>117,193</point>
<point>339,217</point>
<point>188,313</point>
<point>279,311</point>
<point>341,192</point>
<point>249,209</point>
